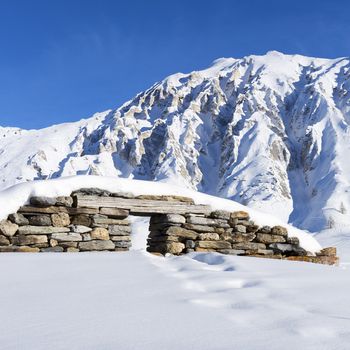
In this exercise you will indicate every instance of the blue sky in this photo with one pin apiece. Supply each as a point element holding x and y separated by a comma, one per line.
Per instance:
<point>64,60</point>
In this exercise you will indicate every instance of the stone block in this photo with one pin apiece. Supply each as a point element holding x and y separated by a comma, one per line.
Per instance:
<point>72,250</point>
<point>29,239</point>
<point>55,249</point>
<point>168,218</point>
<point>67,237</point>
<point>329,251</point>
<point>96,245</point>
<point>42,201</point>
<point>279,230</point>
<point>121,238</point>
<point>240,215</point>
<point>60,219</point>
<point>220,214</point>
<point>209,236</point>
<point>41,230</point>
<point>180,232</point>
<point>81,220</point>
<point>214,244</point>
<point>65,201</point>
<point>232,251</point>
<point>199,228</point>
<point>4,240</point>
<point>117,230</point>
<point>248,246</point>
<point>80,228</point>
<point>122,244</point>
<point>18,219</point>
<point>240,228</point>
<point>100,234</point>
<point>39,220</point>
<point>115,213</point>
<point>269,238</point>
<point>8,228</point>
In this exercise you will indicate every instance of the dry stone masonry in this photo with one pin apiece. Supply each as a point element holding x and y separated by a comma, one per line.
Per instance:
<point>96,220</point>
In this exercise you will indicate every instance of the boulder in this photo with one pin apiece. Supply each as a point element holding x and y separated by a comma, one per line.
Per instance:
<point>18,219</point>
<point>60,219</point>
<point>100,234</point>
<point>7,228</point>
<point>96,245</point>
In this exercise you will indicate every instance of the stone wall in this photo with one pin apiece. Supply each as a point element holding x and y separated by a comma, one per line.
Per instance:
<point>95,220</point>
<point>53,225</point>
<point>228,233</point>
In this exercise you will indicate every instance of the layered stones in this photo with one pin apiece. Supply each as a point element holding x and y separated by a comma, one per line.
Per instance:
<point>18,219</point>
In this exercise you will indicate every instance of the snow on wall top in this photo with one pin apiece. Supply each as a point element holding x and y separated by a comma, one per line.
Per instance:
<point>14,197</point>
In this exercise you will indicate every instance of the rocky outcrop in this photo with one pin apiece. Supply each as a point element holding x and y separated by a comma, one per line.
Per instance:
<point>95,220</point>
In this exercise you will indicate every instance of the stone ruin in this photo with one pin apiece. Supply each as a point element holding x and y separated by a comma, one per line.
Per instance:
<point>96,220</point>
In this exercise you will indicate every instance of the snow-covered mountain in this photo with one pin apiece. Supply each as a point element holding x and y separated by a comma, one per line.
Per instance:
<point>271,132</point>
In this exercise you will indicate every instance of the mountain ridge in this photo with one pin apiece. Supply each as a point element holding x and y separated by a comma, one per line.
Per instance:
<point>268,131</point>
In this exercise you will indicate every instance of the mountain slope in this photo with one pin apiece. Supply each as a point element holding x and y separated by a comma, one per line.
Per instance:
<point>271,132</point>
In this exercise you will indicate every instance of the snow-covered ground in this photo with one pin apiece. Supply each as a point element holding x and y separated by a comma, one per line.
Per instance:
<point>135,300</point>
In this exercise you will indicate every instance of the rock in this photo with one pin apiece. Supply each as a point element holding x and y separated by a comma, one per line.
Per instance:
<point>232,251</point>
<point>281,247</point>
<point>220,214</point>
<point>240,237</point>
<point>102,220</point>
<point>69,244</point>
<point>214,244</point>
<point>180,232</point>
<point>40,220</point>
<point>175,248</point>
<point>122,244</point>
<point>81,219</point>
<point>53,243</point>
<point>210,236</point>
<point>267,238</point>
<point>80,228</point>
<point>55,249</point>
<point>29,239</point>
<point>42,201</point>
<point>41,230</point>
<point>18,219</point>
<point>100,233</point>
<point>161,226</point>
<point>67,237</point>
<point>120,238</point>
<point>116,230</point>
<point>7,228</point>
<point>168,218</point>
<point>4,240</point>
<point>329,251</point>
<point>96,245</point>
<point>115,213</point>
<point>240,228</point>
<point>92,192</point>
<point>197,220</point>
<point>240,215</point>
<point>199,249</point>
<point>293,240</point>
<point>279,230</point>
<point>199,228</point>
<point>265,229</point>
<point>248,246</point>
<point>189,244</point>
<point>60,219</point>
<point>72,250</point>
<point>65,201</point>
<point>326,260</point>
<point>24,249</point>
<point>251,228</point>
<point>86,237</point>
